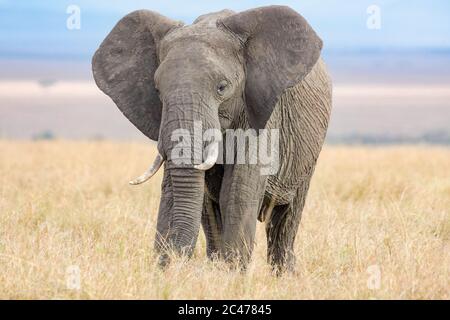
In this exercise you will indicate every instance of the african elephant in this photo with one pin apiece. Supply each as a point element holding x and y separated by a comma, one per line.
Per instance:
<point>257,69</point>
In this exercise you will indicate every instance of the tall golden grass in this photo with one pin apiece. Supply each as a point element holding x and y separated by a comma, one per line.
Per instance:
<point>371,212</point>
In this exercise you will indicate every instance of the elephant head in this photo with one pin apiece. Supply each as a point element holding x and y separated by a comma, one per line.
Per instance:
<point>165,76</point>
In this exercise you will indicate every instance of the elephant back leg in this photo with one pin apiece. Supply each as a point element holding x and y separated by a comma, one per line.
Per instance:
<point>281,229</point>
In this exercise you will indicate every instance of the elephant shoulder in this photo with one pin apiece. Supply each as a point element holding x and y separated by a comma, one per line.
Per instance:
<point>312,94</point>
<point>301,115</point>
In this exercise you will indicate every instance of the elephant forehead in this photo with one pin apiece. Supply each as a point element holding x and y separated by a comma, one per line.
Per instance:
<point>201,36</point>
<point>196,62</point>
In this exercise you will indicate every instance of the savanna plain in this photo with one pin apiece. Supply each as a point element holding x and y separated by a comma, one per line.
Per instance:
<point>376,225</point>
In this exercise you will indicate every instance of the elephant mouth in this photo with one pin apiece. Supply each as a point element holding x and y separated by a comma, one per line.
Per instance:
<point>212,154</point>
<point>181,219</point>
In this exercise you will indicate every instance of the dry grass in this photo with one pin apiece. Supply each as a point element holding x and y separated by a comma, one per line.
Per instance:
<point>67,203</point>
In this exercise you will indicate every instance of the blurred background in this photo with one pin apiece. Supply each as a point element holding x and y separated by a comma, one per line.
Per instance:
<point>389,60</point>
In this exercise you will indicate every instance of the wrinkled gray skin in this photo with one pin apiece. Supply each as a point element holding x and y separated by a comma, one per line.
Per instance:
<point>164,76</point>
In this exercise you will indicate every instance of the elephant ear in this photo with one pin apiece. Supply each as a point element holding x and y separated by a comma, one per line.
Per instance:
<point>124,67</point>
<point>280,49</point>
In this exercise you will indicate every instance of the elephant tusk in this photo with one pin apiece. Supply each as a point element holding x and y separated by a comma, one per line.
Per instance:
<point>211,158</point>
<point>159,160</point>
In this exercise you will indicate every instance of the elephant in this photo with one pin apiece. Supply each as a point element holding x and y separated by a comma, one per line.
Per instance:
<point>258,69</point>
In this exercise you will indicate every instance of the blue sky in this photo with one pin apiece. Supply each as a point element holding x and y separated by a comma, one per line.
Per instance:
<point>37,28</point>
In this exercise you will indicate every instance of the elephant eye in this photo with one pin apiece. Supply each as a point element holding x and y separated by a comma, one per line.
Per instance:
<point>221,87</point>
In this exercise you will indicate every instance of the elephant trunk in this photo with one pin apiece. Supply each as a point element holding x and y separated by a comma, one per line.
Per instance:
<point>183,111</point>
<point>188,191</point>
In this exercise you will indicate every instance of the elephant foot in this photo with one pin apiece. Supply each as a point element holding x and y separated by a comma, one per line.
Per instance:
<point>163,261</point>
<point>282,263</point>
<point>237,259</point>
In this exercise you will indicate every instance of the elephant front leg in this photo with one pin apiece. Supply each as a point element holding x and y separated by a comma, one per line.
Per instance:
<point>212,226</point>
<point>161,243</point>
<point>241,196</point>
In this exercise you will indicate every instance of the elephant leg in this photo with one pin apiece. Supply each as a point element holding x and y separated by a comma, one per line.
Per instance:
<point>281,230</point>
<point>212,226</point>
<point>241,196</point>
<point>161,244</point>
